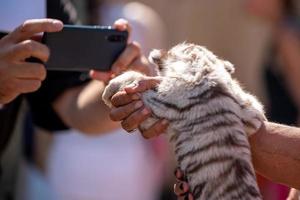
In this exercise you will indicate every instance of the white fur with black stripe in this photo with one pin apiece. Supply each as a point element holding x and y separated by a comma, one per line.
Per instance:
<point>210,116</point>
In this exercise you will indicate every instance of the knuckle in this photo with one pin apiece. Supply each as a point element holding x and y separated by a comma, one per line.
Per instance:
<point>48,21</point>
<point>27,46</point>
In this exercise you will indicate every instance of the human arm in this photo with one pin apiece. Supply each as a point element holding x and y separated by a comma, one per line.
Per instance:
<point>81,107</point>
<point>275,147</point>
<point>275,153</point>
<point>16,75</point>
<point>293,195</point>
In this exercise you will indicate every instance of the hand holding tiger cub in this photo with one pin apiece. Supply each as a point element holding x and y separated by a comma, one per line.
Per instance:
<point>130,59</point>
<point>125,108</point>
<point>210,118</point>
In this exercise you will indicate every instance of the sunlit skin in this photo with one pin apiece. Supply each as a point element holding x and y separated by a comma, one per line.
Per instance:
<point>16,75</point>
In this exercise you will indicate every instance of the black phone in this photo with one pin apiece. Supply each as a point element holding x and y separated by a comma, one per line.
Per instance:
<point>82,48</point>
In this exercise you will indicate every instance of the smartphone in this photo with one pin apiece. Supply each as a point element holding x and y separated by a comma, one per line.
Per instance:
<point>82,48</point>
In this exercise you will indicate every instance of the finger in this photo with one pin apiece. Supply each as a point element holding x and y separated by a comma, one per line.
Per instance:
<point>6,98</point>
<point>26,85</point>
<point>122,98</point>
<point>37,38</point>
<point>135,119</point>
<point>180,188</point>
<point>123,25</point>
<point>143,85</point>
<point>30,48</point>
<point>179,174</point>
<point>100,76</point>
<point>34,71</point>
<point>31,27</point>
<point>128,56</point>
<point>142,65</point>
<point>120,113</point>
<point>156,129</point>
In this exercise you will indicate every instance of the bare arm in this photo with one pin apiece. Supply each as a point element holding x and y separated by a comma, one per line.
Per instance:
<point>276,153</point>
<point>82,108</point>
<point>275,148</point>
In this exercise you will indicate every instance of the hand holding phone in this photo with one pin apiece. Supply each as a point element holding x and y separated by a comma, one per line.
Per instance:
<point>82,48</point>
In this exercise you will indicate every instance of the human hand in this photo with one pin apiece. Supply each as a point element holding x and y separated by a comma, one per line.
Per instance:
<point>294,194</point>
<point>131,58</point>
<point>129,108</point>
<point>16,75</point>
<point>181,187</point>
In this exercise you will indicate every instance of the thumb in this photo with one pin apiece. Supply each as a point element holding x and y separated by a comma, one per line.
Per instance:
<point>100,76</point>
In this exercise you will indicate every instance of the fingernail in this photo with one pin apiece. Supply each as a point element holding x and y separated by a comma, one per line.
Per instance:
<point>57,24</point>
<point>138,104</point>
<point>136,96</point>
<point>145,111</point>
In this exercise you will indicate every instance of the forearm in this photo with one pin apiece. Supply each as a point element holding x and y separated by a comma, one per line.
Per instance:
<point>82,108</point>
<point>276,153</point>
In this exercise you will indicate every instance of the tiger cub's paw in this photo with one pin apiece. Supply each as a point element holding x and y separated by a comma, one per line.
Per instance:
<point>118,84</point>
<point>253,115</point>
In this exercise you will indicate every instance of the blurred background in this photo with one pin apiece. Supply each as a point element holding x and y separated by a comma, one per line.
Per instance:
<point>262,40</point>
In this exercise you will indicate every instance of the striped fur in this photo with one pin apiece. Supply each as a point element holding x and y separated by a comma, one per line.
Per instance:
<point>210,118</point>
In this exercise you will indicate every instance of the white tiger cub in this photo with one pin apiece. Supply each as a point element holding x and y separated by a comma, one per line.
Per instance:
<point>210,119</point>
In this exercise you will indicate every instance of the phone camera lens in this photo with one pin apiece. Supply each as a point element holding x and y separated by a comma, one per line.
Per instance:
<point>116,38</point>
